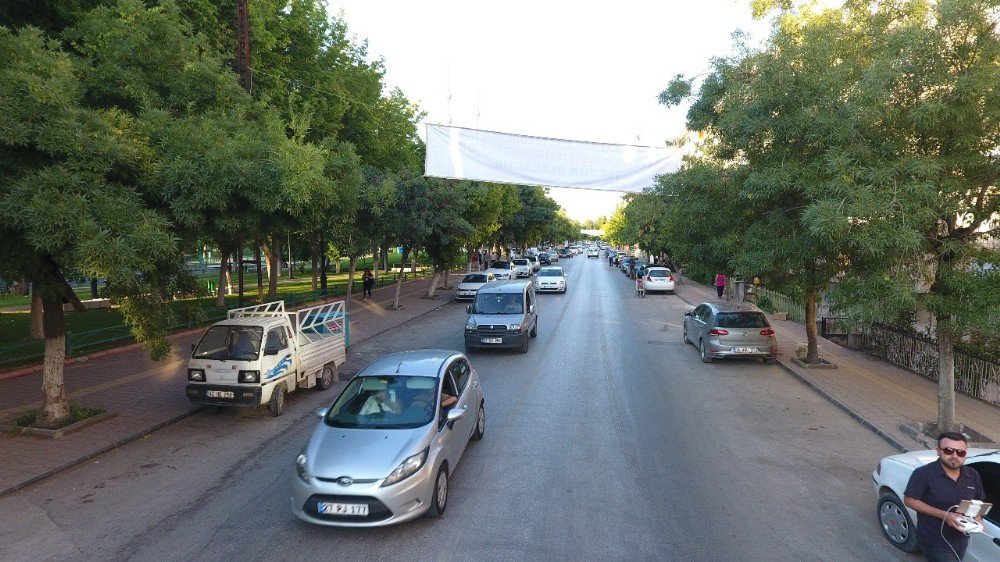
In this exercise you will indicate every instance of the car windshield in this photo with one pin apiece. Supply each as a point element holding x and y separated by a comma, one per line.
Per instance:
<point>500,265</point>
<point>658,272</point>
<point>498,303</point>
<point>741,320</point>
<point>474,278</point>
<point>550,273</point>
<point>520,262</point>
<point>385,402</point>
<point>240,343</point>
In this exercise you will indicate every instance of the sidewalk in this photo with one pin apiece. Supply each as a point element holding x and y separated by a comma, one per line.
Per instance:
<point>877,394</point>
<point>145,396</point>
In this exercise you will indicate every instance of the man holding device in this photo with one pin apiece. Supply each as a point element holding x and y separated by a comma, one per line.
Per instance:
<point>935,490</point>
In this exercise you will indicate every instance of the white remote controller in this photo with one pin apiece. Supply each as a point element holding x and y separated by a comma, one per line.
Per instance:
<point>970,525</point>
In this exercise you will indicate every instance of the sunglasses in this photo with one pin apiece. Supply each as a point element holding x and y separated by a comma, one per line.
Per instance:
<point>950,451</point>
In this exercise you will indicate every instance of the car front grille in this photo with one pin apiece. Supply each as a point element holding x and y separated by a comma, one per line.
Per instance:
<point>487,331</point>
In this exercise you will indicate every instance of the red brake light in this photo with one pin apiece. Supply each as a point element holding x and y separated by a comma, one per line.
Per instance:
<point>717,332</point>
<point>648,278</point>
<point>767,332</point>
<point>671,276</point>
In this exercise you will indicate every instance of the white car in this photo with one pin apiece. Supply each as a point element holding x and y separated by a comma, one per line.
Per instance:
<point>551,279</point>
<point>502,270</point>
<point>471,283</point>
<point>897,521</point>
<point>658,279</point>
<point>522,267</point>
<point>592,252</point>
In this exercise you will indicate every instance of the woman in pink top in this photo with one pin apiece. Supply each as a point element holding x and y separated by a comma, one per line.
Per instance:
<point>720,284</point>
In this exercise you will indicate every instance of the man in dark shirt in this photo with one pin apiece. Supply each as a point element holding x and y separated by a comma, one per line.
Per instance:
<point>934,490</point>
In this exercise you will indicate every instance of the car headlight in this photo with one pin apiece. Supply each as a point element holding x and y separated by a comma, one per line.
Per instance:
<point>249,376</point>
<point>407,468</point>
<point>300,466</point>
<point>470,326</point>
<point>197,375</point>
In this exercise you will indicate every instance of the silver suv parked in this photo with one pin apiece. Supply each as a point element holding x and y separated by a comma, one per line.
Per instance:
<point>726,329</point>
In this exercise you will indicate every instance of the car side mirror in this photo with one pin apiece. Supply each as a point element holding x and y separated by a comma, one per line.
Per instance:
<point>688,313</point>
<point>271,351</point>
<point>321,412</point>
<point>531,309</point>
<point>468,309</point>
<point>454,415</point>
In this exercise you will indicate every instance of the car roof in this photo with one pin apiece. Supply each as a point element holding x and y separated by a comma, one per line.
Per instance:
<point>504,286</point>
<point>651,268</point>
<point>420,363</point>
<point>732,306</point>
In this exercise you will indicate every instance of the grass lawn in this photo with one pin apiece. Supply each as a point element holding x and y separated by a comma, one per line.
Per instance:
<point>104,328</point>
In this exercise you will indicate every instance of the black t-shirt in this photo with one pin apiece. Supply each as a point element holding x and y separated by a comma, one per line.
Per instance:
<point>932,486</point>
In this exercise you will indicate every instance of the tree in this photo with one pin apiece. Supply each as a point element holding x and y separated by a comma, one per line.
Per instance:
<point>68,202</point>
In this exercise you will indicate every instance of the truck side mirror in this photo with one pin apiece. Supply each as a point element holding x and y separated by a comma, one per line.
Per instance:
<point>271,351</point>
<point>468,309</point>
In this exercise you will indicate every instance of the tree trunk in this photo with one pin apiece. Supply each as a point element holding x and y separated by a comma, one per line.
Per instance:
<point>447,274</point>
<point>946,375</point>
<point>324,263</point>
<point>220,297</point>
<point>352,266</point>
<point>93,287</point>
<point>55,408</point>
<point>35,321</point>
<point>22,288</point>
<point>260,272</point>
<point>229,278</point>
<point>812,334</point>
<point>272,254</point>
<point>376,262</point>
<point>314,250</point>
<point>399,280</point>
<point>432,286</point>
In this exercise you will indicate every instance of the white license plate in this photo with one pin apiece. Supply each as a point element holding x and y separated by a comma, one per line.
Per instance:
<point>492,340</point>
<point>220,394</point>
<point>359,509</point>
<point>744,350</point>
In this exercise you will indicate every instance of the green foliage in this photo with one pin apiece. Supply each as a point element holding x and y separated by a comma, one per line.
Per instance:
<point>77,413</point>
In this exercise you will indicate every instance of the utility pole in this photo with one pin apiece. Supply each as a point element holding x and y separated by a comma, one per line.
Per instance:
<point>246,78</point>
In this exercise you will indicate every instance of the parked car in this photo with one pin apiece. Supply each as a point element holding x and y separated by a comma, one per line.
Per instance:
<point>522,267</point>
<point>471,283</point>
<point>730,329</point>
<point>385,449</point>
<point>658,279</point>
<point>501,270</point>
<point>640,268</point>
<point>551,279</point>
<point>502,316</point>
<point>897,521</point>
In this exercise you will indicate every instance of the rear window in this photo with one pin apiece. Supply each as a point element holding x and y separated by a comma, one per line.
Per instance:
<point>658,273</point>
<point>741,320</point>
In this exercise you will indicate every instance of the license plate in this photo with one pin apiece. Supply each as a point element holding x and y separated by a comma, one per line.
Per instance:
<point>358,509</point>
<point>220,394</point>
<point>744,350</point>
<point>492,340</point>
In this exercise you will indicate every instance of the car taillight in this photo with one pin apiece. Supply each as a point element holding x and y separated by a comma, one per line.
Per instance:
<point>767,332</point>
<point>671,276</point>
<point>648,278</point>
<point>717,332</point>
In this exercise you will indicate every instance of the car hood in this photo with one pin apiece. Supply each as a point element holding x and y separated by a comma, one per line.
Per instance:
<point>362,453</point>
<point>497,319</point>
<point>917,459</point>
<point>469,286</point>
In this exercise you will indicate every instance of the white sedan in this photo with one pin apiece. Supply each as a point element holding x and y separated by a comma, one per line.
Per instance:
<point>502,270</point>
<point>897,521</point>
<point>471,283</point>
<point>658,279</point>
<point>551,279</point>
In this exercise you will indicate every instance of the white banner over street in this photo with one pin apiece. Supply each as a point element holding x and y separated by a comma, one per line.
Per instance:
<point>471,154</point>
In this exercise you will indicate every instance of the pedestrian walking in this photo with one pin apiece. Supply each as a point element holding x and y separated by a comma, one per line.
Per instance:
<point>367,284</point>
<point>720,283</point>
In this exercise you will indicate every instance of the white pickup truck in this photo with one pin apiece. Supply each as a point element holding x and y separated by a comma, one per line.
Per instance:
<point>260,353</point>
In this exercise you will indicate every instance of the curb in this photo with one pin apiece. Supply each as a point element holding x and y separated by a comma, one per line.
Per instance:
<point>135,436</point>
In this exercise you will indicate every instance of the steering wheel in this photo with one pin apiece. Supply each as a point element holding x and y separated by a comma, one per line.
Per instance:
<point>422,403</point>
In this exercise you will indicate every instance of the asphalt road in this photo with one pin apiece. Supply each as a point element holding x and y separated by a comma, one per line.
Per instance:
<point>608,440</point>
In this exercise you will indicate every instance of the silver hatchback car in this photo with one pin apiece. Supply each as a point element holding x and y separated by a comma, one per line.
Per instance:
<point>725,329</point>
<point>384,451</point>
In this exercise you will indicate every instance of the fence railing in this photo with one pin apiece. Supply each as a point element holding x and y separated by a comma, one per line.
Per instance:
<point>27,352</point>
<point>974,376</point>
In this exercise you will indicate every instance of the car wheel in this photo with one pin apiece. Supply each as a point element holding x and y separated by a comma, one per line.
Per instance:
<point>326,378</point>
<point>686,340</point>
<point>276,405</point>
<point>524,346</point>
<point>705,357</point>
<point>480,424</point>
<point>534,330</point>
<point>440,500</point>
<point>895,523</point>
